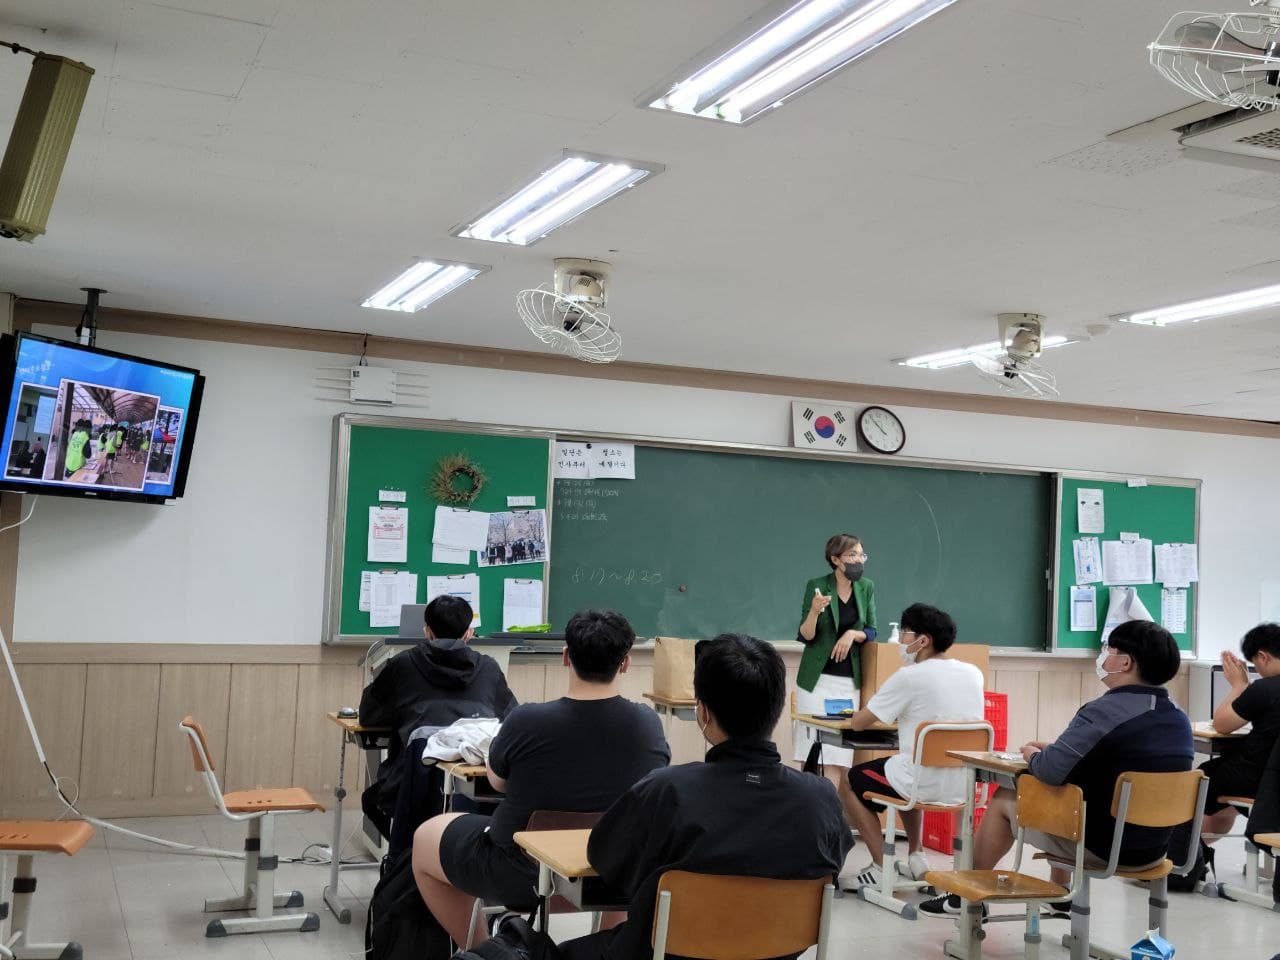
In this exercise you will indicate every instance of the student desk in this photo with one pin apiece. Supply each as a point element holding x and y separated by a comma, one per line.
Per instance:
<point>840,733</point>
<point>366,738</point>
<point>1210,741</point>
<point>563,870</point>
<point>467,780</point>
<point>667,708</point>
<point>982,767</point>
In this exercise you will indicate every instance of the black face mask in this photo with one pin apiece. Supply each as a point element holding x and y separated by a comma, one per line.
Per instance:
<point>853,571</point>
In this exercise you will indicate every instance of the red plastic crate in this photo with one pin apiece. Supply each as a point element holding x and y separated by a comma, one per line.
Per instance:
<point>939,830</point>
<point>996,712</point>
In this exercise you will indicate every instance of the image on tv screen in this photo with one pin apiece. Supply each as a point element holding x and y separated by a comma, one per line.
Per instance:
<point>93,421</point>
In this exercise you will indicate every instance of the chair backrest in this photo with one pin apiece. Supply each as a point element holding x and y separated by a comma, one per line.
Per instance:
<point>1157,799</point>
<point>739,918</point>
<point>1057,811</point>
<point>562,820</point>
<point>933,740</point>
<point>199,744</point>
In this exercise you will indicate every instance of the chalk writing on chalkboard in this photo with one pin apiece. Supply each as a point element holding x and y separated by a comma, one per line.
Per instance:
<point>599,576</point>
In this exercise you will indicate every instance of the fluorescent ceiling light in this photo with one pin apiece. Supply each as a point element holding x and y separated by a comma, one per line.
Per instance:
<point>958,357</point>
<point>1206,309</point>
<point>803,44</point>
<point>423,283</point>
<point>569,188</point>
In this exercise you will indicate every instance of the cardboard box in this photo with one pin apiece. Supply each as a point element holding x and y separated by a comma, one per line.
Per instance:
<point>673,668</point>
<point>880,660</point>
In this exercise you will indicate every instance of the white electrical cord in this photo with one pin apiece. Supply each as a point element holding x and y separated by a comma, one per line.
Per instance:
<point>24,519</point>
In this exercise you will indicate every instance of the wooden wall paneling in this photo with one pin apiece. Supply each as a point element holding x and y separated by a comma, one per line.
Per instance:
<point>528,681</point>
<point>1059,699</point>
<point>1180,688</point>
<point>321,690</point>
<point>55,694</point>
<point>1024,703</point>
<point>118,759</point>
<point>262,714</point>
<point>200,690</point>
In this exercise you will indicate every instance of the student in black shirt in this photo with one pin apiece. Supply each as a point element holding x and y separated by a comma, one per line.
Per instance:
<point>742,812</point>
<point>1238,771</point>
<point>431,685</point>
<point>576,754</point>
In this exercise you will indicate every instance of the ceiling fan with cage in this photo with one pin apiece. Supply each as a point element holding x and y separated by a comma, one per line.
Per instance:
<point>1227,58</point>
<point>569,315</point>
<point>1014,366</point>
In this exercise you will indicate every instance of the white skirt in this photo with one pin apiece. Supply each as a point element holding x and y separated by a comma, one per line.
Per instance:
<point>813,701</point>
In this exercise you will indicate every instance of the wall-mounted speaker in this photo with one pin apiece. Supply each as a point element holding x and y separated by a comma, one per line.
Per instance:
<point>39,144</point>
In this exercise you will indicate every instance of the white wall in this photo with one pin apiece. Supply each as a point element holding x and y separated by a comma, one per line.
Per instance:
<point>241,558</point>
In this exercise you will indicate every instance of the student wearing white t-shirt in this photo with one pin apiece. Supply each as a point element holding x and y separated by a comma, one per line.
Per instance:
<point>930,687</point>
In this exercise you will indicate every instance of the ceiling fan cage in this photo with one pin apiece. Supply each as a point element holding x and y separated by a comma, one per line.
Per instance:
<point>569,324</point>
<point>1018,375</point>
<point>1227,58</point>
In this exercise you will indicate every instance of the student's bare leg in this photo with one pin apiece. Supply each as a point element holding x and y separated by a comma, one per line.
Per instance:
<point>449,905</point>
<point>868,825</point>
<point>913,824</point>
<point>1220,822</point>
<point>994,837</point>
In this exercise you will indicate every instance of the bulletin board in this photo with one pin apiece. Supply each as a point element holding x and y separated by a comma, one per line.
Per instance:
<point>1162,511</point>
<point>375,454</point>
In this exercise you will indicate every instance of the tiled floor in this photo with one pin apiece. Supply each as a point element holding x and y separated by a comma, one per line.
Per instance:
<point>123,899</point>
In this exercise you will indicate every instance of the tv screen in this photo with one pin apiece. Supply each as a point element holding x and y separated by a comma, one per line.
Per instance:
<point>87,422</point>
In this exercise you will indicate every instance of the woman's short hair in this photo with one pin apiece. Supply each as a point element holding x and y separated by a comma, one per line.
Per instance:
<point>838,545</point>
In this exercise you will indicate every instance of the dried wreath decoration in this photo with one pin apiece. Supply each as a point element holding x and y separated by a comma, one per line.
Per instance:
<point>458,480</point>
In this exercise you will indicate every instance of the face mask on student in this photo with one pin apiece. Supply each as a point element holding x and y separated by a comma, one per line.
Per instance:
<point>907,655</point>
<point>1099,665</point>
<point>853,571</point>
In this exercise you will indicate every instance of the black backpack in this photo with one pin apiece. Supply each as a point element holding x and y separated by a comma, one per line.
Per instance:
<point>399,925</point>
<point>515,940</point>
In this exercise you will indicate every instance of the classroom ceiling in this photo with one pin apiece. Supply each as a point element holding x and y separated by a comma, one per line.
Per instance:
<point>278,160</point>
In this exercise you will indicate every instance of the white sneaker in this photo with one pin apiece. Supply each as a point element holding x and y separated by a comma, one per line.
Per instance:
<point>868,876</point>
<point>914,867</point>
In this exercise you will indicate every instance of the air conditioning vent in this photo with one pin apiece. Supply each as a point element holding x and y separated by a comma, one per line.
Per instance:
<point>1212,133</point>
<point>1267,139</point>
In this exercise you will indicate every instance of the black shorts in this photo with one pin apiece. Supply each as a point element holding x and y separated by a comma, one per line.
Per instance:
<point>1227,778</point>
<point>870,776</point>
<point>475,864</point>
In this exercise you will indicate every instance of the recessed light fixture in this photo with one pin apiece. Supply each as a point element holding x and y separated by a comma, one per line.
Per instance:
<point>570,187</point>
<point>962,355</point>
<point>423,283</point>
<point>1195,310</point>
<point>758,68</point>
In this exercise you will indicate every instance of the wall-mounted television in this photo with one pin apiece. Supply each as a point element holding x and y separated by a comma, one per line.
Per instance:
<point>85,422</point>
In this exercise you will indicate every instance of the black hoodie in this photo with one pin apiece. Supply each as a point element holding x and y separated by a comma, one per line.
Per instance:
<point>431,685</point>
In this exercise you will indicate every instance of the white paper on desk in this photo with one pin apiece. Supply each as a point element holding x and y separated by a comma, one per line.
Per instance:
<point>366,586</point>
<point>1123,605</point>
<point>1090,512</point>
<point>571,461</point>
<point>1177,564</point>
<point>388,535</point>
<point>442,554</point>
<point>1084,609</point>
<point>464,585</point>
<point>1088,560</point>
<point>612,461</point>
<point>1173,610</point>
<point>521,603</point>
<point>388,592</point>
<point>1126,563</point>
<point>460,528</point>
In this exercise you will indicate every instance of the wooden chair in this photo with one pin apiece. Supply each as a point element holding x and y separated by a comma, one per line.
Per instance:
<point>740,918</point>
<point>25,839</point>
<point>1271,843</point>
<point>1057,811</point>
<point>933,740</point>
<point>1140,800</point>
<point>259,809</point>
<point>540,820</point>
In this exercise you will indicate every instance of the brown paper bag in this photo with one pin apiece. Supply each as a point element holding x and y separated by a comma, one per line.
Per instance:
<point>673,668</point>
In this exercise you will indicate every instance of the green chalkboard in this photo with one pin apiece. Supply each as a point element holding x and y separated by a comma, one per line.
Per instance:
<point>703,542</point>
<point>1159,512</point>
<point>389,456</point>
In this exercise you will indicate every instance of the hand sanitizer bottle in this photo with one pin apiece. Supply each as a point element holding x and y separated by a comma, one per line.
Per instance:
<point>893,634</point>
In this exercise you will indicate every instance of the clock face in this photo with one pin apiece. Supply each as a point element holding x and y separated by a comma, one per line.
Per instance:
<point>881,430</point>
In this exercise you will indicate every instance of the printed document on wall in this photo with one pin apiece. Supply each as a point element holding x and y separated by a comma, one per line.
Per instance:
<point>464,585</point>
<point>388,592</point>
<point>613,461</point>
<point>465,529</point>
<point>1084,609</point>
<point>572,461</point>
<point>1088,560</point>
<point>1126,562</point>
<point>388,535</point>
<point>521,603</point>
<point>366,586</point>
<point>1173,610</point>
<point>1090,513</point>
<point>1177,564</point>
<point>442,554</point>
<point>1123,605</point>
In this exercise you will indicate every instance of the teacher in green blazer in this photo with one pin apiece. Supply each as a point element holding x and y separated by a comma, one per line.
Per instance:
<point>838,615</point>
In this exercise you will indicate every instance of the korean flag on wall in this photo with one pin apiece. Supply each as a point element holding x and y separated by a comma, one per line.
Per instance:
<point>821,426</point>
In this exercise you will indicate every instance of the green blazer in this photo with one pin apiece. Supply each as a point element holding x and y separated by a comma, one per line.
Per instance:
<point>817,653</point>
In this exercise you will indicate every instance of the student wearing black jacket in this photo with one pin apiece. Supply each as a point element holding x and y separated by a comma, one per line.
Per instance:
<point>431,685</point>
<point>742,812</point>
